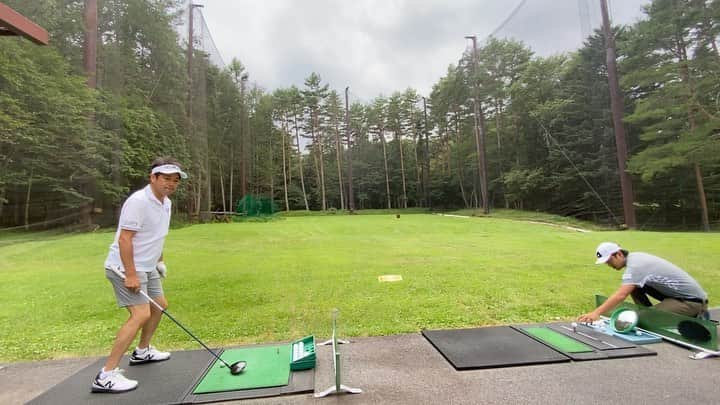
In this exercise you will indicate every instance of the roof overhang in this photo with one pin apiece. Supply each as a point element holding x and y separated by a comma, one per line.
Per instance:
<point>14,23</point>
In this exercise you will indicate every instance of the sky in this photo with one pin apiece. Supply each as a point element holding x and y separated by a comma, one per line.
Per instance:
<point>377,47</point>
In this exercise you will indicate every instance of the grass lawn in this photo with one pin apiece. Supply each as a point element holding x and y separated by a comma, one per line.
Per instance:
<point>260,282</point>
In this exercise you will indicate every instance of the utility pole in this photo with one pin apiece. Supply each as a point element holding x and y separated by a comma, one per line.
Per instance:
<point>190,123</point>
<point>617,105</point>
<point>479,131</point>
<point>426,159</point>
<point>348,135</point>
<point>191,41</point>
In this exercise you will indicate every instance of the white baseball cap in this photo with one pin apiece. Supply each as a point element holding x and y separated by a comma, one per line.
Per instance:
<point>169,169</point>
<point>605,250</point>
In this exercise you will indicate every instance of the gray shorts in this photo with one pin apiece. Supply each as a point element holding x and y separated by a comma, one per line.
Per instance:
<point>149,282</point>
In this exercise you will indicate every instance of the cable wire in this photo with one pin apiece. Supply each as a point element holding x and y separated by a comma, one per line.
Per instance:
<point>507,20</point>
<point>562,151</point>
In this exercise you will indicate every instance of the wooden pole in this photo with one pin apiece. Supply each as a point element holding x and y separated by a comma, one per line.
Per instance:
<point>617,106</point>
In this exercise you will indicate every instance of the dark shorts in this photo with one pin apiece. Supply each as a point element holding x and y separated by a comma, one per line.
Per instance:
<point>149,282</point>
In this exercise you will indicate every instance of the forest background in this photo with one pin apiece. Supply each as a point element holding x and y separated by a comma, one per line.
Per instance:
<point>70,153</point>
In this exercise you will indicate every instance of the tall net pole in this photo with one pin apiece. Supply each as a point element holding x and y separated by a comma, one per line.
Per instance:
<point>616,104</point>
<point>479,131</point>
<point>348,135</point>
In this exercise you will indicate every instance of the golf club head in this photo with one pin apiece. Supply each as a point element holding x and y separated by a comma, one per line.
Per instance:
<point>238,367</point>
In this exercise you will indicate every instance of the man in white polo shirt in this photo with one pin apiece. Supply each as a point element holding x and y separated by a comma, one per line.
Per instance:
<point>648,275</point>
<point>138,252</point>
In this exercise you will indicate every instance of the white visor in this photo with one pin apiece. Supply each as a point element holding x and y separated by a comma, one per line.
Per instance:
<point>169,169</point>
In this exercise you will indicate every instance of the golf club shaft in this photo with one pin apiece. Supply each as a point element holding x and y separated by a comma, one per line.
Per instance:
<point>164,311</point>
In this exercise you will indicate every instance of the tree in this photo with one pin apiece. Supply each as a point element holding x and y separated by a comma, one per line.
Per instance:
<point>666,62</point>
<point>314,97</point>
<point>396,127</point>
<point>377,120</point>
<point>334,111</point>
<point>501,62</point>
<point>47,155</point>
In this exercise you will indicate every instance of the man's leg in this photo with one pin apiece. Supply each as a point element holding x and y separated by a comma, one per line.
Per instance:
<point>139,315</point>
<point>148,329</point>
<point>639,297</point>
<point>155,291</point>
<point>144,353</point>
<point>687,308</point>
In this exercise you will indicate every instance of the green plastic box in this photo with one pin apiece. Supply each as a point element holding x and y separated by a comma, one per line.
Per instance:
<point>302,353</point>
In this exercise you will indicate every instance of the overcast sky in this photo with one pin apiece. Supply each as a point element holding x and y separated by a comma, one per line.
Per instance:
<point>381,46</point>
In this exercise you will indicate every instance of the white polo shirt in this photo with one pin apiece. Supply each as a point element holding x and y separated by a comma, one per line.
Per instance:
<point>150,219</point>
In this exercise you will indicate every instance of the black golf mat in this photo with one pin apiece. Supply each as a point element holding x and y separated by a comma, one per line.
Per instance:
<point>166,382</point>
<point>490,347</point>
<point>595,345</point>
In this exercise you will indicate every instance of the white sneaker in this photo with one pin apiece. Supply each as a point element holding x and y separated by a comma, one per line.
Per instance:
<point>151,354</point>
<point>113,382</point>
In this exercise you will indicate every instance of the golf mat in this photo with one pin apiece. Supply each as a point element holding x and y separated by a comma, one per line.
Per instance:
<point>300,382</point>
<point>267,366</point>
<point>160,383</point>
<point>557,340</point>
<point>637,337</point>
<point>490,347</point>
<point>590,344</point>
<point>167,382</point>
<point>597,338</point>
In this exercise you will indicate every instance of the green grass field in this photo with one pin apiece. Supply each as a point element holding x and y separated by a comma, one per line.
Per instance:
<point>261,282</point>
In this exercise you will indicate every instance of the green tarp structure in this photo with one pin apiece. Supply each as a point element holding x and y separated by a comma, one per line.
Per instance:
<point>253,206</point>
<point>666,323</point>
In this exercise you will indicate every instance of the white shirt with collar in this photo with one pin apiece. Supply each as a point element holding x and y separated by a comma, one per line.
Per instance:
<point>149,217</point>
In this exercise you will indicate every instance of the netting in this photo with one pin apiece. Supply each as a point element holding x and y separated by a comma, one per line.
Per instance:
<point>253,206</point>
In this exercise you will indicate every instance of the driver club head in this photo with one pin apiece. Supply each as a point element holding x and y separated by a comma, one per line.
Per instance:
<point>237,367</point>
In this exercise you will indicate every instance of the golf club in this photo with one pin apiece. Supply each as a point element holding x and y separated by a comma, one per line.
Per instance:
<point>235,368</point>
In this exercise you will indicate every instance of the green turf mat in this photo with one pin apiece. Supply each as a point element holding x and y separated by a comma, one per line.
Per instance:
<point>267,366</point>
<point>558,340</point>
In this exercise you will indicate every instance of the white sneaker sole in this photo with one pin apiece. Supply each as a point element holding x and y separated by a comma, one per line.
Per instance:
<point>110,390</point>
<point>139,362</point>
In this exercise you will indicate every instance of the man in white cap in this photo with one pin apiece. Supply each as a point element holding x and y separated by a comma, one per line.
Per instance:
<point>647,275</point>
<point>137,251</point>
